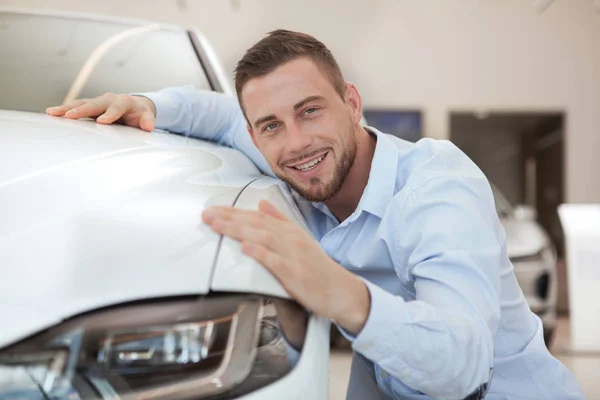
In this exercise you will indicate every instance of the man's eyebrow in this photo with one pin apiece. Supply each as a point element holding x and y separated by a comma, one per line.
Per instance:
<point>307,100</point>
<point>265,119</point>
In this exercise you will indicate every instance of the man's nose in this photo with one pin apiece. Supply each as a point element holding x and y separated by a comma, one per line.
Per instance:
<point>298,138</point>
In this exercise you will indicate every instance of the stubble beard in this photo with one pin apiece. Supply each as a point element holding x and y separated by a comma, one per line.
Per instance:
<point>320,191</point>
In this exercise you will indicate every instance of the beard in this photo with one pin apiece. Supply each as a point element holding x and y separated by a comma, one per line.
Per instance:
<point>320,191</point>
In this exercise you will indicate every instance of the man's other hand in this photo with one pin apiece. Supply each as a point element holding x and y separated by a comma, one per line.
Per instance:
<point>296,259</point>
<point>136,111</point>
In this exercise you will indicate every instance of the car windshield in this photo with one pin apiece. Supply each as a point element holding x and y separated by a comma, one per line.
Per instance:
<point>503,206</point>
<point>45,60</point>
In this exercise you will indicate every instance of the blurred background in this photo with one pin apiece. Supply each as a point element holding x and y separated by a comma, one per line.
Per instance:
<point>514,83</point>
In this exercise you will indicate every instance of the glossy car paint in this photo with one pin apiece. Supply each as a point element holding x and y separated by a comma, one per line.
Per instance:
<point>97,215</point>
<point>102,215</point>
<point>534,258</point>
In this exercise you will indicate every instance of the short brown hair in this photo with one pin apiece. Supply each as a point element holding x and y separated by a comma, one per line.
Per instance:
<point>281,47</point>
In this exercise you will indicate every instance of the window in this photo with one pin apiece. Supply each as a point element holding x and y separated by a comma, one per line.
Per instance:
<point>41,58</point>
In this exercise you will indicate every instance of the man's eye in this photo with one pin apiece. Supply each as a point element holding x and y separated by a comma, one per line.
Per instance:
<point>310,110</point>
<point>270,127</point>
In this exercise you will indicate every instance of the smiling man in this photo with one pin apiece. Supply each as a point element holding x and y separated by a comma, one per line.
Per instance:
<point>409,258</point>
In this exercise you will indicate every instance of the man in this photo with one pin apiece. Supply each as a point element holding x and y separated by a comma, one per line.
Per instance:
<point>412,261</point>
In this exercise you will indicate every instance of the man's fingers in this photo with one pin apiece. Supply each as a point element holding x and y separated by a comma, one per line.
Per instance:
<point>268,258</point>
<point>245,232</point>
<point>91,109</point>
<point>275,264</point>
<point>59,111</point>
<point>147,121</point>
<point>270,209</point>
<point>113,113</point>
<point>240,216</point>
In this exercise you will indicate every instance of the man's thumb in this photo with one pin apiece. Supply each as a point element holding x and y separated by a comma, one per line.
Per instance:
<point>147,122</point>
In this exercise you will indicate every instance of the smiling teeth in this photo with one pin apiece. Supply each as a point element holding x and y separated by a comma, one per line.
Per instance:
<point>309,165</point>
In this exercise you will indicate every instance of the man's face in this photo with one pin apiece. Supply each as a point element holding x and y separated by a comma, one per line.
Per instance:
<point>302,126</point>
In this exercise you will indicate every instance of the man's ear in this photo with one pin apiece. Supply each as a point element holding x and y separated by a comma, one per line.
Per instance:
<point>354,100</point>
<point>251,132</point>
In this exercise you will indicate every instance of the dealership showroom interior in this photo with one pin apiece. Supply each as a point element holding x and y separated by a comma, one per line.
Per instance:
<point>299,200</point>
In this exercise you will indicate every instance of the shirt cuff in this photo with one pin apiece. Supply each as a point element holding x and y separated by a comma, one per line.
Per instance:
<point>372,339</point>
<point>167,111</point>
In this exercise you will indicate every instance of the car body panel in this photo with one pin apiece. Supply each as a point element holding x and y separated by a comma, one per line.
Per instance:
<point>309,379</point>
<point>533,256</point>
<point>95,216</point>
<point>99,215</point>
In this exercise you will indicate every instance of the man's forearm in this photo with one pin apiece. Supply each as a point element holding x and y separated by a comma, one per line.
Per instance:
<point>427,349</point>
<point>205,115</point>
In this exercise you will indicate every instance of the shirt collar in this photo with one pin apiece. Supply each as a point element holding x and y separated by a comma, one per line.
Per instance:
<point>382,180</point>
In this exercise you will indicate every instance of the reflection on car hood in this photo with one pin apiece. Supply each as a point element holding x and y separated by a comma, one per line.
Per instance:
<point>98,215</point>
<point>523,237</point>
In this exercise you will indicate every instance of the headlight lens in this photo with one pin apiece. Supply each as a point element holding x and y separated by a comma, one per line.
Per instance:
<point>175,350</point>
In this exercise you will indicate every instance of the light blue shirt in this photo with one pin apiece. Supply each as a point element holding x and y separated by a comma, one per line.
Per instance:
<point>446,308</point>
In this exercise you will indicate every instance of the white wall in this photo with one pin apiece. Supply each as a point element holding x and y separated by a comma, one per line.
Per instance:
<point>437,55</point>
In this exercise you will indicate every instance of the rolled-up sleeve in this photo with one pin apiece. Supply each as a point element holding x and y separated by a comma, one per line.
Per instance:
<point>205,115</point>
<point>450,250</point>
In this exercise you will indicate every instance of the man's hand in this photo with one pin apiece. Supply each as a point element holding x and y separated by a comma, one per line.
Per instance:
<point>308,274</point>
<point>136,111</point>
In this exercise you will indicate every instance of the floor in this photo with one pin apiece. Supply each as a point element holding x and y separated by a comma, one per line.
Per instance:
<point>584,366</point>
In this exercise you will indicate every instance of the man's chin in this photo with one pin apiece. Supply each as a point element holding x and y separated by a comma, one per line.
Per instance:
<point>316,192</point>
<point>315,189</point>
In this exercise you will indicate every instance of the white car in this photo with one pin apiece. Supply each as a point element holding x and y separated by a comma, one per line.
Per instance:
<point>533,256</point>
<point>111,287</point>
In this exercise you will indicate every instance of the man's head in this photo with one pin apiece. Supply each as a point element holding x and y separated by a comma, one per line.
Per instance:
<point>301,113</point>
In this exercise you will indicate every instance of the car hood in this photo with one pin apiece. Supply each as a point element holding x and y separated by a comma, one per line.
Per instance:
<point>523,237</point>
<point>97,215</point>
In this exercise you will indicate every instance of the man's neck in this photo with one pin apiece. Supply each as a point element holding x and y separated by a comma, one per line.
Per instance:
<point>343,204</point>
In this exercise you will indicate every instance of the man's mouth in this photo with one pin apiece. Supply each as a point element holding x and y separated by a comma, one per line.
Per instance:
<point>310,164</point>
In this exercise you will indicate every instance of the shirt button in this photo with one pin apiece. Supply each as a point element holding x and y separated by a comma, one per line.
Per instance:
<point>384,374</point>
<point>365,347</point>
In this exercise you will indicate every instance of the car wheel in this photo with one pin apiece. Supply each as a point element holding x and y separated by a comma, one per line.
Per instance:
<point>548,336</point>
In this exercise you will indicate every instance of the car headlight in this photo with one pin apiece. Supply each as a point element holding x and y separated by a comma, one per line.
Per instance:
<point>180,349</point>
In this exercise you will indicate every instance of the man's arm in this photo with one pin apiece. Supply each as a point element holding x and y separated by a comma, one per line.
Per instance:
<point>441,344</point>
<point>205,115</point>
<point>183,110</point>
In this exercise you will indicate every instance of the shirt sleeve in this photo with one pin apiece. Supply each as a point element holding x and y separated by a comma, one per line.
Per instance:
<point>205,115</point>
<point>450,245</point>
